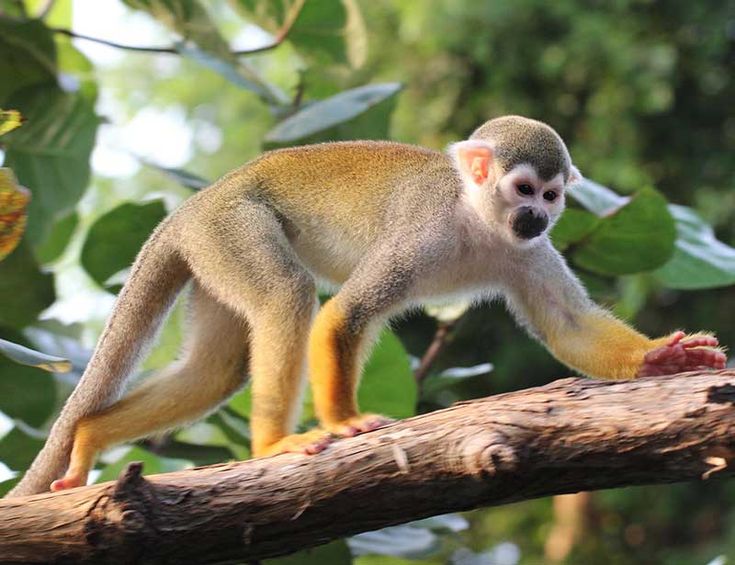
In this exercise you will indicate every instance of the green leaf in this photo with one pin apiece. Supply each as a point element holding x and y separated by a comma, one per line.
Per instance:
<point>115,238</point>
<point>58,238</point>
<point>197,454</point>
<point>387,385</point>
<point>50,154</point>
<point>27,56</point>
<point>24,289</point>
<point>26,393</point>
<point>573,226</point>
<point>334,553</point>
<point>325,114</point>
<point>32,358</point>
<point>17,451</point>
<point>699,259</point>
<point>637,237</point>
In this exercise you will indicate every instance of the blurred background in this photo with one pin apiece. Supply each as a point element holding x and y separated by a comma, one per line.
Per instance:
<point>129,106</point>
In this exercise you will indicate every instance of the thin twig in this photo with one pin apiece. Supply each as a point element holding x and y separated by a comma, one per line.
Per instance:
<point>441,337</point>
<point>168,50</point>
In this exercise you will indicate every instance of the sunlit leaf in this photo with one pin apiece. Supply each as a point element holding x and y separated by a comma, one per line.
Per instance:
<point>321,30</point>
<point>14,200</point>
<point>327,113</point>
<point>26,356</point>
<point>10,120</point>
<point>700,260</point>
<point>115,238</point>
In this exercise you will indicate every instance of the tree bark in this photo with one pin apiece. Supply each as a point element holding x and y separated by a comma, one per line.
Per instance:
<point>571,435</point>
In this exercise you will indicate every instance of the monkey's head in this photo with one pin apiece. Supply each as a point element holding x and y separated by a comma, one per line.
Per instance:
<point>515,172</point>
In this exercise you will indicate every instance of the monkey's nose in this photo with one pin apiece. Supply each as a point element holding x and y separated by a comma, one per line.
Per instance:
<point>529,222</point>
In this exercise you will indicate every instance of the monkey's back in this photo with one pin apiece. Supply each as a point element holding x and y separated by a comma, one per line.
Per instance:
<point>341,197</point>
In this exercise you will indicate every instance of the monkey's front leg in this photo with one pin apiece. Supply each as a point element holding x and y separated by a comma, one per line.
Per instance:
<point>340,338</point>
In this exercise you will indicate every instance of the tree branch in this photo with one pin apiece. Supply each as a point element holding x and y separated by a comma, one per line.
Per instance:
<point>571,435</point>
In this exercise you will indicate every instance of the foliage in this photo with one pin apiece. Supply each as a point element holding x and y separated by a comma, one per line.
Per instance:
<point>641,90</point>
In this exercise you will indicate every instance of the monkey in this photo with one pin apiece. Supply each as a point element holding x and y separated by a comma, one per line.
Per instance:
<point>391,226</point>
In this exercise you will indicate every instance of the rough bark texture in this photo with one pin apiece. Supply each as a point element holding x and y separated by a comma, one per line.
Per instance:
<point>571,435</point>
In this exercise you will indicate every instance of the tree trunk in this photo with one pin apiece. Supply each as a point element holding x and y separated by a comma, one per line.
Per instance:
<point>571,435</point>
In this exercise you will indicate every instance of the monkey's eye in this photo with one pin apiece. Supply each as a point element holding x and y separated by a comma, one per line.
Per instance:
<point>550,195</point>
<point>525,189</point>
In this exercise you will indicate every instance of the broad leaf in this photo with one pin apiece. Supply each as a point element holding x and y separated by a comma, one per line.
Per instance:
<point>50,154</point>
<point>32,358</point>
<point>573,226</point>
<point>699,260</point>
<point>388,386</point>
<point>58,238</point>
<point>319,29</point>
<point>328,113</point>
<point>17,451</point>
<point>27,56</point>
<point>115,238</point>
<point>637,237</point>
<point>26,291</point>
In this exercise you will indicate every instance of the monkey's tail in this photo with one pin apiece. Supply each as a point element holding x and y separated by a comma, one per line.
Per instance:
<point>157,276</point>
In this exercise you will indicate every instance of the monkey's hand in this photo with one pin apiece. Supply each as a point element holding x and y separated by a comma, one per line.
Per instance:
<point>358,425</point>
<point>681,352</point>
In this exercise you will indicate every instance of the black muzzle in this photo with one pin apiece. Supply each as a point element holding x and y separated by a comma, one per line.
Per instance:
<point>529,222</point>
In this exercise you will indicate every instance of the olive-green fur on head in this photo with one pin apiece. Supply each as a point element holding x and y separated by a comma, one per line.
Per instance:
<point>518,140</point>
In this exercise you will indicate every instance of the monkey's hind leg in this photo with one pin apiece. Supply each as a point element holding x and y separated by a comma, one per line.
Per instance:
<point>244,258</point>
<point>212,367</point>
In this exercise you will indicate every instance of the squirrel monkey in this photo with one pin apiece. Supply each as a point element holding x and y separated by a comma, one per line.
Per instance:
<point>392,225</point>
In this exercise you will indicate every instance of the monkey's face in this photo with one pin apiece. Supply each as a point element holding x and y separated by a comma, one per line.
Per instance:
<point>525,206</point>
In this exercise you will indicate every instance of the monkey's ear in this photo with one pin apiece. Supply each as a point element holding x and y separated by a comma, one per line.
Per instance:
<point>473,159</point>
<point>574,176</point>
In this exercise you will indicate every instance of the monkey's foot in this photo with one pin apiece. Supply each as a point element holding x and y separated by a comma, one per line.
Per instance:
<point>309,443</point>
<point>358,425</point>
<point>683,352</point>
<point>68,481</point>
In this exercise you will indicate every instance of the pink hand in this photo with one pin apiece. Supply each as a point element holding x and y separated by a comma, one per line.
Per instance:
<point>682,353</point>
